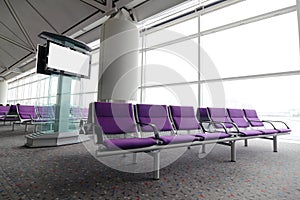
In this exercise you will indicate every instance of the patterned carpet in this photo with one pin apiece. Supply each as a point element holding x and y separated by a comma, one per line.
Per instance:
<point>70,172</point>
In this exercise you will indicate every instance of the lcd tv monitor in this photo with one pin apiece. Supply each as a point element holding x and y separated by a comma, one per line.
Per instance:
<point>58,59</point>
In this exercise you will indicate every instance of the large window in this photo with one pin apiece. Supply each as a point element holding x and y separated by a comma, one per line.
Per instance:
<point>266,46</point>
<point>242,10</point>
<point>243,55</point>
<point>37,89</point>
<point>247,57</point>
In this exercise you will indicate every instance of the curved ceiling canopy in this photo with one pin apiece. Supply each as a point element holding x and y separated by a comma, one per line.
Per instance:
<point>21,21</point>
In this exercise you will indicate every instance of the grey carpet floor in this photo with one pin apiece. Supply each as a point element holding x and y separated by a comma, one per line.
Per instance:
<point>71,172</point>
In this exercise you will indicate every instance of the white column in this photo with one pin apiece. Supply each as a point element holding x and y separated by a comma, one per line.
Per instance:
<point>3,92</point>
<point>118,64</point>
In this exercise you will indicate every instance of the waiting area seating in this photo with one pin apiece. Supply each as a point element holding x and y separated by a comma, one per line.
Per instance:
<point>122,128</point>
<point>8,114</point>
<point>37,115</point>
<point>31,115</point>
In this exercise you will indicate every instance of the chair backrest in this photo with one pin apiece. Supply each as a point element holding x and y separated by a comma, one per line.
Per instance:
<point>46,112</point>
<point>4,110</point>
<point>84,113</point>
<point>184,118</point>
<point>252,118</point>
<point>75,112</point>
<point>237,116</point>
<point>154,114</point>
<point>115,118</point>
<point>219,115</point>
<point>202,115</point>
<point>26,112</point>
<point>13,110</point>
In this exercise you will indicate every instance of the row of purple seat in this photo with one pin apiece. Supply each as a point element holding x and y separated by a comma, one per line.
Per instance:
<point>11,113</point>
<point>243,121</point>
<point>35,115</point>
<point>118,119</point>
<point>147,128</point>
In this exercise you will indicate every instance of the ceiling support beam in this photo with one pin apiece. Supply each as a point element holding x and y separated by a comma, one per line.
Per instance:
<point>95,4</point>
<point>18,21</point>
<point>40,14</point>
<point>12,32</point>
<point>8,54</point>
<point>16,43</point>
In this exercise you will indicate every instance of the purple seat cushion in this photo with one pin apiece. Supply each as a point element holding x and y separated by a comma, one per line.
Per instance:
<point>212,136</point>
<point>284,130</point>
<point>129,143</point>
<point>269,131</point>
<point>168,139</point>
<point>251,132</point>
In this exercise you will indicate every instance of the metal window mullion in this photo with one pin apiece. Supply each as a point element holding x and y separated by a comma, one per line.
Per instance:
<point>199,64</point>
<point>269,75</point>
<point>298,19</point>
<point>227,26</point>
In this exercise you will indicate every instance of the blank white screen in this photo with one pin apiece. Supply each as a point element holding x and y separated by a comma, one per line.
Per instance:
<point>67,60</point>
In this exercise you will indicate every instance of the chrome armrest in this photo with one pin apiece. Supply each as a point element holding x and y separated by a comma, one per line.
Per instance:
<point>264,122</point>
<point>276,121</point>
<point>154,128</point>
<point>213,123</point>
<point>232,123</point>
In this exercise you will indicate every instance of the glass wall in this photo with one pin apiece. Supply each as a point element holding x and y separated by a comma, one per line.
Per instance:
<point>242,56</point>
<point>247,57</point>
<point>229,56</point>
<point>266,46</point>
<point>32,89</point>
<point>37,89</point>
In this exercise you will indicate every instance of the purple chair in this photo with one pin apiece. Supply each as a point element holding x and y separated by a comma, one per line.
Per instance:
<point>4,110</point>
<point>28,116</point>
<point>45,112</point>
<point>237,116</point>
<point>254,120</point>
<point>116,120</point>
<point>220,115</point>
<point>75,113</point>
<point>12,114</point>
<point>155,118</point>
<point>202,115</point>
<point>185,120</point>
<point>84,113</point>
<point>26,113</point>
